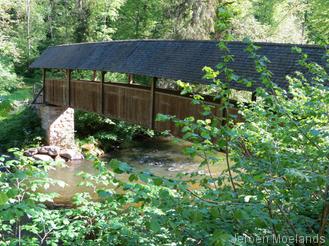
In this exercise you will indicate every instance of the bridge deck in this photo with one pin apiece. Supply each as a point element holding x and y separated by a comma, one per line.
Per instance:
<point>132,103</point>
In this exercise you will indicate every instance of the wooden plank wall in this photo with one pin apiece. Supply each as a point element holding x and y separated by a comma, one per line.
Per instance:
<point>179,106</point>
<point>238,117</point>
<point>131,104</point>
<point>127,102</point>
<point>56,92</point>
<point>85,95</point>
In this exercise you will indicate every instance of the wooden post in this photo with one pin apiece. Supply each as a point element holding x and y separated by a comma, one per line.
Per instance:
<point>130,78</point>
<point>102,92</point>
<point>69,86</point>
<point>94,75</point>
<point>152,105</point>
<point>224,116</point>
<point>253,96</point>
<point>44,85</point>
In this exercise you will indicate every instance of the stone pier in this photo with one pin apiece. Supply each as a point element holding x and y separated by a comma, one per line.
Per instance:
<point>58,123</point>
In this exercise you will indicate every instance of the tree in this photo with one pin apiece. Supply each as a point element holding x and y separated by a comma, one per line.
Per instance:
<point>138,19</point>
<point>273,21</point>
<point>193,19</point>
<point>316,18</point>
<point>9,53</point>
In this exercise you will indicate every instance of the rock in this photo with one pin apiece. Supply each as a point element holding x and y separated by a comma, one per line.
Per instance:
<point>41,157</point>
<point>98,152</point>
<point>202,172</point>
<point>88,147</point>
<point>172,169</point>
<point>92,149</point>
<point>53,151</point>
<point>31,152</point>
<point>71,154</point>
<point>59,159</point>
<point>42,150</point>
<point>157,164</point>
<point>49,150</point>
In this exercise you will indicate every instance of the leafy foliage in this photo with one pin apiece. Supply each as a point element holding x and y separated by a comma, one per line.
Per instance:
<point>317,24</point>
<point>107,132</point>
<point>20,129</point>
<point>279,152</point>
<point>8,77</point>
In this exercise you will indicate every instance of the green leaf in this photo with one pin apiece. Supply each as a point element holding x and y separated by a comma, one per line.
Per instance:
<point>104,193</point>
<point>154,225</point>
<point>158,181</point>
<point>133,177</point>
<point>162,117</point>
<point>221,238</point>
<point>120,167</point>
<point>214,211</point>
<point>3,198</point>
<point>116,225</point>
<point>186,129</point>
<point>240,215</point>
<point>190,151</point>
<point>12,193</point>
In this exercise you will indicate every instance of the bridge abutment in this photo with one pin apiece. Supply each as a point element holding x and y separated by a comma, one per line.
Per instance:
<point>58,123</point>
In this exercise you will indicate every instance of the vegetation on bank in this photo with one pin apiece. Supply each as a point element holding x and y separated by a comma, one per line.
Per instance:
<point>277,187</point>
<point>106,133</point>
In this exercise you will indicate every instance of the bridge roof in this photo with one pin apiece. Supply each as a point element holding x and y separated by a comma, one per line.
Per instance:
<point>174,59</point>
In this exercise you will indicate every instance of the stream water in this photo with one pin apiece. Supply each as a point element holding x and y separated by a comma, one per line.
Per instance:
<point>160,156</point>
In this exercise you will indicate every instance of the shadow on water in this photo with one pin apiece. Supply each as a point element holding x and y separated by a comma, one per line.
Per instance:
<point>160,156</point>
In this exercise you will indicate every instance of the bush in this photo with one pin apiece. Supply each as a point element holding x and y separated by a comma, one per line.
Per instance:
<point>107,132</point>
<point>8,78</point>
<point>20,129</point>
<point>278,185</point>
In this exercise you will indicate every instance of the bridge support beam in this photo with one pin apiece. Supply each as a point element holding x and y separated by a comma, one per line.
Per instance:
<point>58,123</point>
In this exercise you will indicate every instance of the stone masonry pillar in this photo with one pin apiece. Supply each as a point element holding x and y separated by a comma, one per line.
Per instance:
<point>58,122</point>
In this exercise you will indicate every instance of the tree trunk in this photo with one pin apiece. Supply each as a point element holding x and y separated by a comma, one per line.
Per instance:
<point>28,17</point>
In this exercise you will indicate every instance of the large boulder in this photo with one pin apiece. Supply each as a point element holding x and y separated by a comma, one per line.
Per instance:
<point>51,153</point>
<point>31,152</point>
<point>41,157</point>
<point>71,154</point>
<point>49,150</point>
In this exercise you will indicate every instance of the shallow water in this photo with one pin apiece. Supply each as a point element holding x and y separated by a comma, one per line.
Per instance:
<point>160,156</point>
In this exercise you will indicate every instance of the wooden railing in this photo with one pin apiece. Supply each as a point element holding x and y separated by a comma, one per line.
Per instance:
<point>132,103</point>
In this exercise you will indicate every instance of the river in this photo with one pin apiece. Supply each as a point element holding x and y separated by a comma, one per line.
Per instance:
<point>160,156</point>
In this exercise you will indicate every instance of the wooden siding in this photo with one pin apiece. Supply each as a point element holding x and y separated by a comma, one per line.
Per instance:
<point>56,92</point>
<point>86,95</point>
<point>179,106</point>
<point>234,111</point>
<point>127,102</point>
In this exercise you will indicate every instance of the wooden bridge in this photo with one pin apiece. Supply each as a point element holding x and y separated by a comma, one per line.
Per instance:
<point>132,103</point>
<point>175,60</point>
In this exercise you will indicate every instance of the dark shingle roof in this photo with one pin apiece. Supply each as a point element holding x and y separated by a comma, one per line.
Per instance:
<point>178,60</point>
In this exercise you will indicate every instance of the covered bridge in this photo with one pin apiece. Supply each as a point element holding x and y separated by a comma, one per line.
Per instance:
<point>165,59</point>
